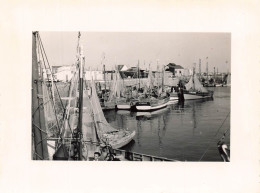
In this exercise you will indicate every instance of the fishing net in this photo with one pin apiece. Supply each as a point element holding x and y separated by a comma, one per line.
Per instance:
<point>49,113</point>
<point>98,115</point>
<point>70,122</point>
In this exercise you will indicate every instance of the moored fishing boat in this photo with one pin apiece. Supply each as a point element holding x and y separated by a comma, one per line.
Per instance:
<point>123,104</point>
<point>106,133</point>
<point>154,98</point>
<point>151,114</point>
<point>174,96</point>
<point>152,104</point>
<point>228,80</point>
<point>195,90</point>
<point>120,94</point>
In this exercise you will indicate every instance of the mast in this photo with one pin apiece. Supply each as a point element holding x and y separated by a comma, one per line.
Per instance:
<point>38,120</point>
<point>157,74</point>
<point>138,75</point>
<point>199,68</point>
<point>193,73</point>
<point>104,71</point>
<point>81,59</point>
<point>214,74</point>
<point>163,78</point>
<point>217,75</point>
<point>207,69</point>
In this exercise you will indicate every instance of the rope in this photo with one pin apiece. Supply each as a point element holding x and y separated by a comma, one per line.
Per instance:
<point>214,136</point>
<point>50,69</point>
<point>39,104</point>
<point>51,97</point>
<point>55,113</point>
<point>38,155</point>
<point>224,135</point>
<point>38,127</point>
<point>66,113</point>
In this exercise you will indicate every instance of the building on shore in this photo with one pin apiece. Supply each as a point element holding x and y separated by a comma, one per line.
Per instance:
<point>177,70</point>
<point>63,73</point>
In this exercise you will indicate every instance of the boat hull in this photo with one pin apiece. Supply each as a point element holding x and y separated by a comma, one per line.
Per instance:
<point>123,106</point>
<point>148,106</point>
<point>191,96</point>
<point>123,141</point>
<point>174,96</point>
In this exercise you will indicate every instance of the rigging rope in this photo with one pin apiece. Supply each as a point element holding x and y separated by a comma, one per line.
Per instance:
<point>51,97</point>
<point>214,136</point>
<point>50,69</point>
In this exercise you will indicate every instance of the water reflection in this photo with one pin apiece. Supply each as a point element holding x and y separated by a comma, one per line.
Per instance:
<point>151,115</point>
<point>139,129</point>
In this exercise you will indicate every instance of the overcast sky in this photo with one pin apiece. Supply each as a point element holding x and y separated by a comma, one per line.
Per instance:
<point>183,49</point>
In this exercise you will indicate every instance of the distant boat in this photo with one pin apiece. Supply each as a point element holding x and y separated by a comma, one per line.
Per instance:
<point>229,80</point>
<point>195,90</point>
<point>208,84</point>
<point>174,96</point>
<point>220,85</point>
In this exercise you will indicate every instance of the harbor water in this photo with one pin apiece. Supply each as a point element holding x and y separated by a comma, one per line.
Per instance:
<point>185,132</point>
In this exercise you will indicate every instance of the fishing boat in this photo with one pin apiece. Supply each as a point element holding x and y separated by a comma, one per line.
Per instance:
<point>120,93</point>
<point>195,90</point>
<point>228,80</point>
<point>209,84</point>
<point>174,96</point>
<point>107,100</point>
<point>152,101</point>
<point>151,114</point>
<point>152,104</point>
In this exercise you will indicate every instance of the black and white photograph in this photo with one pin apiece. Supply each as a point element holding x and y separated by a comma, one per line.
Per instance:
<point>131,96</point>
